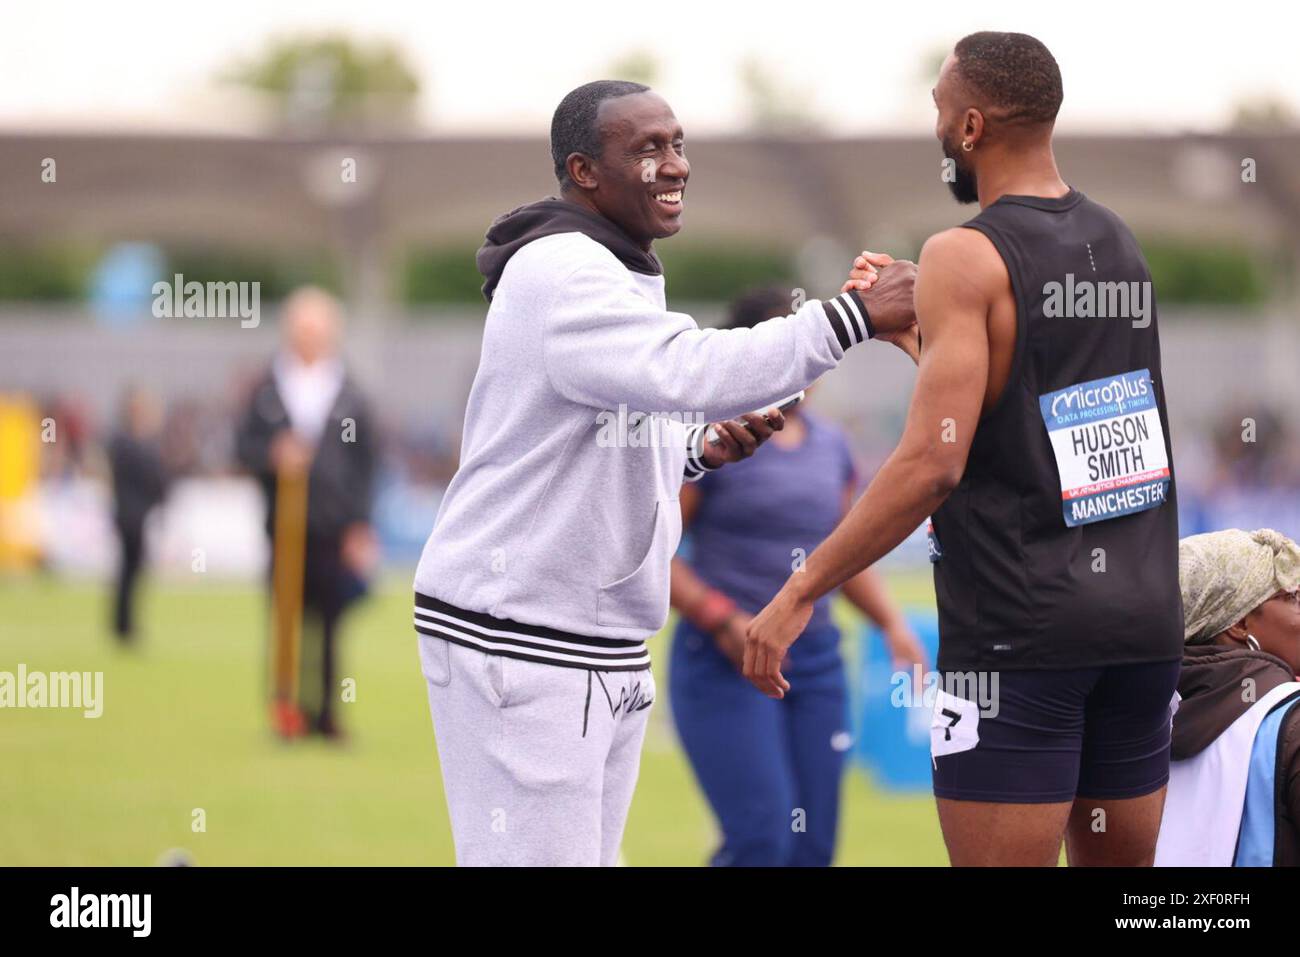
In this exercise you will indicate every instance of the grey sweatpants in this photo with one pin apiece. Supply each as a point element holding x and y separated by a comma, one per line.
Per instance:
<point>538,761</point>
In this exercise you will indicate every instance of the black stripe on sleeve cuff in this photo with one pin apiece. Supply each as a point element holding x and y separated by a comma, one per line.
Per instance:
<point>695,464</point>
<point>848,317</point>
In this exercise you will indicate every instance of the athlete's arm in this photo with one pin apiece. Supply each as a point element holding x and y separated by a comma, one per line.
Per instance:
<point>957,280</point>
<point>866,591</point>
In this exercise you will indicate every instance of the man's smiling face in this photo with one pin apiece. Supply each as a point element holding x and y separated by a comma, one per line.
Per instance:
<point>642,170</point>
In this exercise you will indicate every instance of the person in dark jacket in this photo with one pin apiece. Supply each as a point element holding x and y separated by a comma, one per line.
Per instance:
<point>307,415</point>
<point>1234,786</point>
<point>139,484</point>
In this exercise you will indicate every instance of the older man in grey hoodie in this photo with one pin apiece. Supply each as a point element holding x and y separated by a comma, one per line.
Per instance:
<point>548,564</point>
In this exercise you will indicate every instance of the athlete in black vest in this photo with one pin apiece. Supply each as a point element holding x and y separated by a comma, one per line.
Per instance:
<point>1038,440</point>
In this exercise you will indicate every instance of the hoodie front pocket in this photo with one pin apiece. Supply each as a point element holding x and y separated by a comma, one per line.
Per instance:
<point>435,660</point>
<point>640,600</point>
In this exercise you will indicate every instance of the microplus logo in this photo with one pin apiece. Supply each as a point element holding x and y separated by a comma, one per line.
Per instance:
<point>208,300</point>
<point>1117,392</point>
<point>1087,299</point>
<point>56,689</point>
<point>103,910</point>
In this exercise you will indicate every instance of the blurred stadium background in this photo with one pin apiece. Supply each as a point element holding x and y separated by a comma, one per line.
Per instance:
<point>257,196</point>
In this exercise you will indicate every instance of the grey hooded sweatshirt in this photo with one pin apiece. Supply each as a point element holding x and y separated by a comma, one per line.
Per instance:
<point>554,539</point>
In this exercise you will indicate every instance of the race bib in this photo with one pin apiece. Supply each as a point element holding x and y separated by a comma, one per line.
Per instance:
<point>954,725</point>
<point>1109,447</point>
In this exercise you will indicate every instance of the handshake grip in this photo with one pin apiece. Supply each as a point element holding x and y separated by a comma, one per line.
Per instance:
<point>889,301</point>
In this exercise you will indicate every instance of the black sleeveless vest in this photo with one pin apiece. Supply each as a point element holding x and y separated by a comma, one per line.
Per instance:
<point>1059,548</point>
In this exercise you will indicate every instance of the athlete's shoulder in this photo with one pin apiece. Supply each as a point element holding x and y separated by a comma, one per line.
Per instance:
<point>1107,215</point>
<point>957,241</point>
<point>961,253</point>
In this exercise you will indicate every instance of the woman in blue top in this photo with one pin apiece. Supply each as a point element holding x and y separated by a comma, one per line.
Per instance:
<point>770,769</point>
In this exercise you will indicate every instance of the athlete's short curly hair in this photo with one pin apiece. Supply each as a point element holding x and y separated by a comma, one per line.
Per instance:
<point>1014,72</point>
<point>574,128</point>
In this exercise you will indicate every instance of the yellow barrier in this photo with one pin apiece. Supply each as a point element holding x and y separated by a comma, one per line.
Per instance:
<point>20,456</point>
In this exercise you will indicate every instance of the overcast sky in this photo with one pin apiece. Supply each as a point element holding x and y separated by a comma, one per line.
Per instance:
<point>501,65</point>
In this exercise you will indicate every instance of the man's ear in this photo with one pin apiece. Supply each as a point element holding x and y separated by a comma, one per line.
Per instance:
<point>582,171</point>
<point>973,127</point>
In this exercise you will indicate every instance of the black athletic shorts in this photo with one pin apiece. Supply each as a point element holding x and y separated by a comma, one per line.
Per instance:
<point>1037,737</point>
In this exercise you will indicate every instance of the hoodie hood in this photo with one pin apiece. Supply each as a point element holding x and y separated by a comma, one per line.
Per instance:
<point>1212,692</point>
<point>549,217</point>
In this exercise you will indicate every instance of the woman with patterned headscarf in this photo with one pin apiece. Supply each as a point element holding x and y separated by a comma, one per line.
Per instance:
<point>1234,782</point>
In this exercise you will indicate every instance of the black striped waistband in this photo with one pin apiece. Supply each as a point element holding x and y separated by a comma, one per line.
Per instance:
<point>512,639</point>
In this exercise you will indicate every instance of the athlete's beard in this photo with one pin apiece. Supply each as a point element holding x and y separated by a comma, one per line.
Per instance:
<point>964,187</point>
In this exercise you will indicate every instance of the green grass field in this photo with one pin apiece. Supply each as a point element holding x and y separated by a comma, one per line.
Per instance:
<point>184,728</point>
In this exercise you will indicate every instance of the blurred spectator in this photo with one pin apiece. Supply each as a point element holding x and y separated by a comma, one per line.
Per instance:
<point>139,483</point>
<point>70,453</point>
<point>307,416</point>
<point>1254,449</point>
<point>756,758</point>
<point>1234,784</point>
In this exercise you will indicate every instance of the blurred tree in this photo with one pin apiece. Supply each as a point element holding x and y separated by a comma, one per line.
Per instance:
<point>774,104</point>
<point>1264,114</point>
<point>1208,273</point>
<point>331,81</point>
<point>928,69</point>
<point>638,66</point>
<point>46,273</point>
<point>715,271</point>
